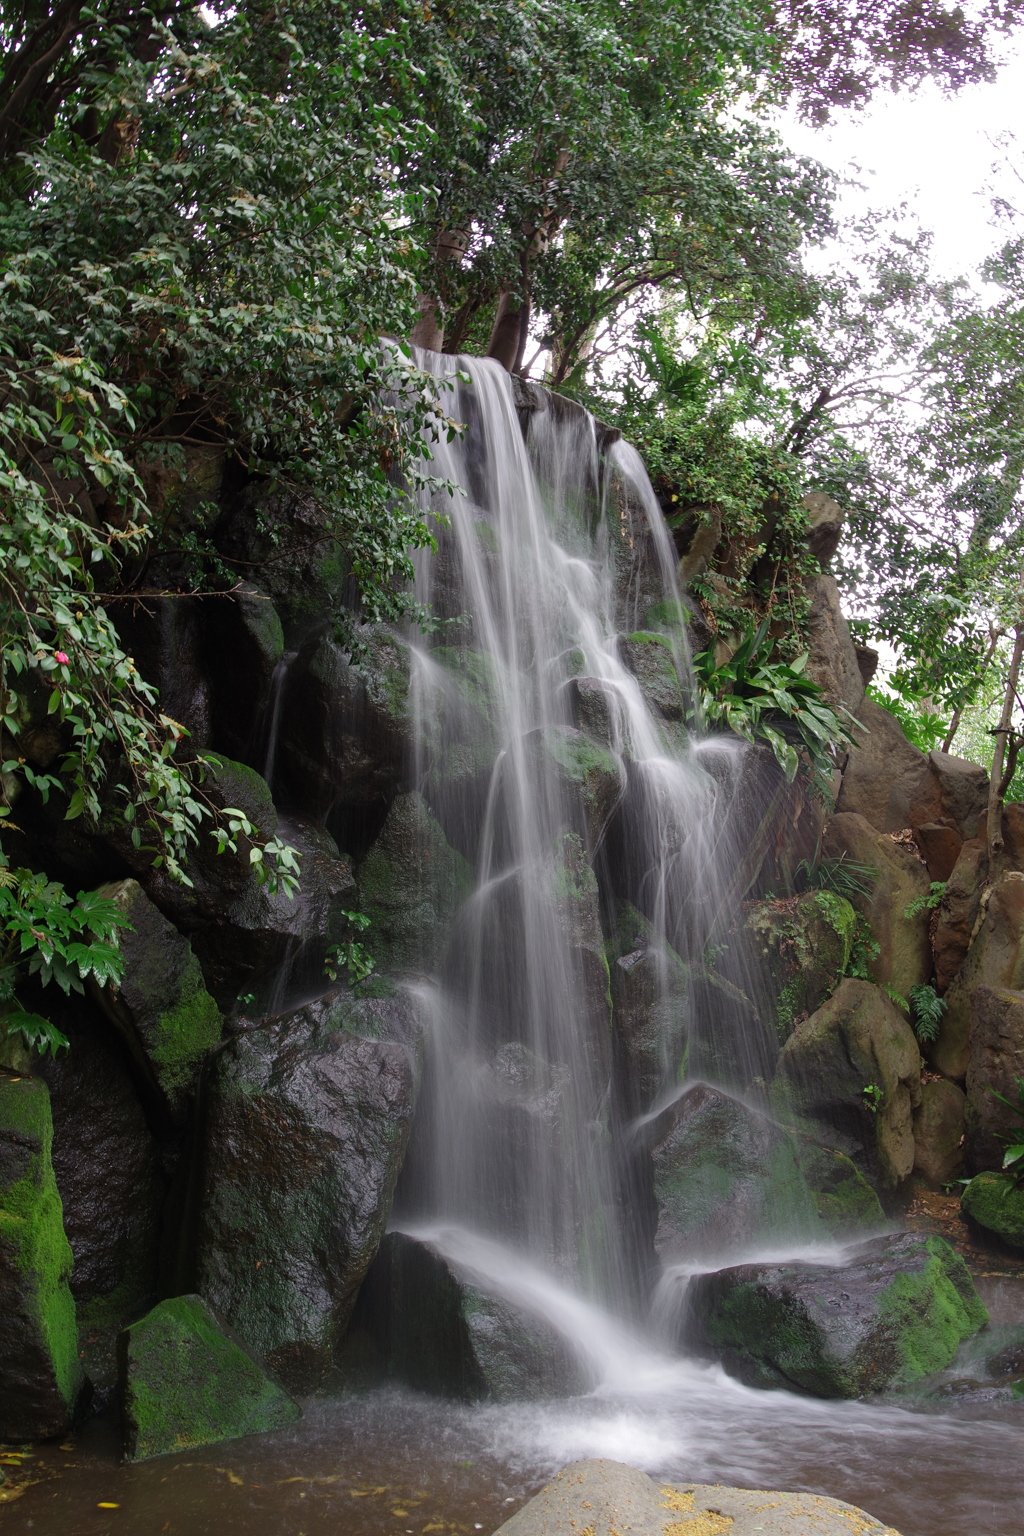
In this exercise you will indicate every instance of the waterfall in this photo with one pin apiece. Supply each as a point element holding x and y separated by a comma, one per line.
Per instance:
<point>557,746</point>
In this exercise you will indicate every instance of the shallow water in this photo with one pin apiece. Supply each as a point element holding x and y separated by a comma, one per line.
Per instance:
<point>391,1461</point>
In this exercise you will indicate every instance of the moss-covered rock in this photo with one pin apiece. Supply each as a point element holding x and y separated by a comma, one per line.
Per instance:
<point>850,1077</point>
<point>590,778</point>
<point>804,944</point>
<point>412,884</point>
<point>307,1118</point>
<point>39,1364</point>
<point>997,1205</point>
<point>893,1314</point>
<point>650,1010</point>
<point>162,1009</point>
<point>649,656</point>
<point>725,1177</point>
<point>844,1200</point>
<point>187,1381</point>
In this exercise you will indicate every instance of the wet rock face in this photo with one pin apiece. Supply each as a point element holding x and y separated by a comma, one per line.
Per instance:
<point>162,1010</point>
<point>412,884</point>
<point>996,1062</point>
<point>307,1121</point>
<point>895,1312</point>
<point>804,944</point>
<point>39,1364</point>
<point>939,1123</point>
<point>648,655</point>
<point>995,959</point>
<point>997,1206</point>
<point>187,1381</point>
<point>433,1328</point>
<point>650,1011</point>
<point>724,1176</point>
<point>904,958</point>
<point>850,1075</point>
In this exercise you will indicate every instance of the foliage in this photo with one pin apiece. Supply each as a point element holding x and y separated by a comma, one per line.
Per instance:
<point>843,875</point>
<point>927,1008</point>
<point>772,702</point>
<point>927,902</point>
<point>864,951</point>
<point>873,1097</point>
<point>350,955</point>
<point>1013,1157</point>
<point>920,725</point>
<point>44,932</point>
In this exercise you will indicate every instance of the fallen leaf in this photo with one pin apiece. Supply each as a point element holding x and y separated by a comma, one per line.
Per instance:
<point>106,1504</point>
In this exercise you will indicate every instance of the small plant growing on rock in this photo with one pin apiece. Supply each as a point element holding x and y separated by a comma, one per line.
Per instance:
<point>926,1010</point>
<point>350,956</point>
<point>873,1096</point>
<point>842,876</point>
<point>1013,1157</point>
<point>926,902</point>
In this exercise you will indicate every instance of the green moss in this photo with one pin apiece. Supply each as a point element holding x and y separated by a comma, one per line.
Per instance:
<point>673,614</point>
<point>578,755</point>
<point>32,1237</point>
<point>841,918</point>
<point>845,1201</point>
<point>186,1032</point>
<point>243,787</point>
<point>997,1205</point>
<point>185,1382</point>
<point>928,1312</point>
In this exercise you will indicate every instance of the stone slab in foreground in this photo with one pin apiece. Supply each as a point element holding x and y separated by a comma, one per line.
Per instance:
<point>607,1498</point>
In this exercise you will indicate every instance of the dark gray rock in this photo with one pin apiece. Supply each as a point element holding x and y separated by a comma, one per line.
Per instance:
<point>894,1312</point>
<point>307,1120</point>
<point>412,884</point>
<point>996,1062</point>
<point>39,1363</point>
<point>434,1328</point>
<point>650,1012</point>
<point>648,655</point>
<point>939,1131</point>
<point>243,641</point>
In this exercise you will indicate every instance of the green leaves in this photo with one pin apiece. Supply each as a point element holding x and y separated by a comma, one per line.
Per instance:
<point>926,1009</point>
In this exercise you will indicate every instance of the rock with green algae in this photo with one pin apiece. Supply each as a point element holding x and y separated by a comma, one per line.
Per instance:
<point>412,883</point>
<point>895,1311</point>
<point>649,656</point>
<point>846,1204</point>
<point>39,1364</point>
<point>161,1008</point>
<point>186,1381</point>
<point>804,944</point>
<point>997,1204</point>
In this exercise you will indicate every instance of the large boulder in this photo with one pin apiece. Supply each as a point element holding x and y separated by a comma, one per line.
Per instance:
<point>412,884</point>
<point>39,1363</point>
<point>161,1008</point>
<point>995,959</point>
<point>435,1328</point>
<point>346,730</point>
<point>884,774</point>
<point>850,1076</point>
<point>958,911</point>
<point>904,954</point>
<point>1013,834</point>
<point>649,656</point>
<point>611,1499</point>
<point>650,988</point>
<point>187,1381</point>
<point>832,660</point>
<point>591,780</point>
<point>725,1177</point>
<point>804,945</point>
<point>307,1120</point>
<point>939,1123</point>
<point>846,1204</point>
<point>962,789</point>
<point>894,1312</point>
<point>997,1205</point>
<point>995,1064</point>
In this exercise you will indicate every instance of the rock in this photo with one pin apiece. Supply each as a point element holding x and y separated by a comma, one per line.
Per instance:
<point>455,697</point>
<point>307,1120</point>
<point>825,519</point>
<point>412,885</point>
<point>957,912</point>
<point>39,1362</point>
<point>162,1010</point>
<point>850,1075</point>
<point>884,773</point>
<point>650,1012</point>
<point>649,656</point>
<point>346,731</point>
<point>725,1177</point>
<point>803,945</point>
<point>1013,834</point>
<point>963,791</point>
<point>846,1204</point>
<point>940,844</point>
<point>998,1206</point>
<point>832,662</point>
<point>436,1330</point>
<point>995,1062</point>
<point>607,1498</point>
<point>995,959</point>
<point>894,1312</point>
<point>107,1167</point>
<point>187,1381</point>
<point>904,959</point>
<point>164,637</point>
<point>939,1125</point>
<point>243,641</point>
<point>696,540</point>
<point>591,779</point>
<point>867,660</point>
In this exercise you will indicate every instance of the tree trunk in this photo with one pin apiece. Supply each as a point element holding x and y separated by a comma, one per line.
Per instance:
<point>504,345</point>
<point>428,332</point>
<point>999,782</point>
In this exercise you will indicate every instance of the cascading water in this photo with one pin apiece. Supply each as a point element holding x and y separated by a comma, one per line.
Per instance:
<point>553,746</point>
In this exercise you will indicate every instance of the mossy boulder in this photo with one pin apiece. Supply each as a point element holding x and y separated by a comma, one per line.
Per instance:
<point>650,1012</point>
<point>850,1076</point>
<point>39,1364</point>
<point>804,946</point>
<point>412,883</point>
<point>186,1381</point>
<point>590,779</point>
<point>725,1177</point>
<point>161,1008</point>
<point>895,1312</point>
<point>846,1204</point>
<point>432,1327</point>
<point>997,1205</point>
<point>307,1118</point>
<point>650,656</point>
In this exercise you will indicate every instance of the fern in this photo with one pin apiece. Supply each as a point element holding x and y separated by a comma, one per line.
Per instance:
<point>926,903</point>
<point>927,1008</point>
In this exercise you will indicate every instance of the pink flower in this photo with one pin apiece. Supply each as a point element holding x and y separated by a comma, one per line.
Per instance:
<point>61,657</point>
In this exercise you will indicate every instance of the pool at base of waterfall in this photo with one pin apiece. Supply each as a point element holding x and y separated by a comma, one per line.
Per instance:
<point>391,1461</point>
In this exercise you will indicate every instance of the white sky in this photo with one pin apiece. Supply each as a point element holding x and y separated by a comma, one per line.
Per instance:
<point>934,152</point>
